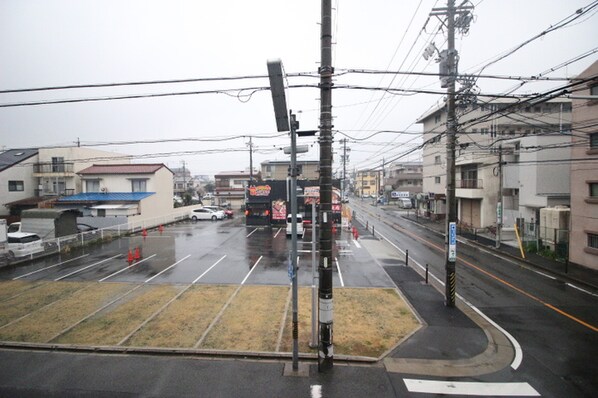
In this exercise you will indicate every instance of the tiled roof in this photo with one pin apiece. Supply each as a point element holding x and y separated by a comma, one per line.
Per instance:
<point>106,197</point>
<point>13,156</point>
<point>148,168</point>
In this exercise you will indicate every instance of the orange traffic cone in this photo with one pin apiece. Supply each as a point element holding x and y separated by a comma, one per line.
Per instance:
<point>130,257</point>
<point>161,228</point>
<point>137,255</point>
<point>144,232</point>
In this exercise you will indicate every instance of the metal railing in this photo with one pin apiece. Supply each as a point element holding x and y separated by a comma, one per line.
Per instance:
<point>470,184</point>
<point>63,192</point>
<point>49,167</point>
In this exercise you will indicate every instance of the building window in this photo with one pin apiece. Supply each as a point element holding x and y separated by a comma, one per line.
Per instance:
<point>92,186</point>
<point>437,180</point>
<point>58,165</point>
<point>593,189</point>
<point>138,185</point>
<point>268,168</point>
<point>593,241</point>
<point>16,186</point>
<point>437,159</point>
<point>594,141</point>
<point>437,118</point>
<point>594,89</point>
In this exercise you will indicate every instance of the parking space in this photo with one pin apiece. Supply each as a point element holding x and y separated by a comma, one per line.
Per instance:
<point>205,253</point>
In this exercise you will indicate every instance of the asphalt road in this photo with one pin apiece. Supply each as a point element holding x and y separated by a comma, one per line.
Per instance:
<point>554,322</point>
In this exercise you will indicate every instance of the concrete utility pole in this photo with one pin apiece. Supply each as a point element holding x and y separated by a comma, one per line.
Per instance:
<point>344,158</point>
<point>325,349</point>
<point>499,207</point>
<point>250,161</point>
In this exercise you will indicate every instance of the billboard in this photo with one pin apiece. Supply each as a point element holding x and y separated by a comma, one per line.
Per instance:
<point>399,194</point>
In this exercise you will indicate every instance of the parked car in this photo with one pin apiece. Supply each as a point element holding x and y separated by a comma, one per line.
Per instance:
<point>206,214</point>
<point>21,244</point>
<point>228,213</point>
<point>290,224</point>
<point>85,227</point>
<point>14,227</point>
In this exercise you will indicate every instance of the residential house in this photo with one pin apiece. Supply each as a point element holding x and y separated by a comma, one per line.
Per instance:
<point>17,183</point>
<point>583,247</point>
<point>117,192</point>
<point>405,177</point>
<point>230,187</point>
<point>529,136</point>
<point>279,169</point>
<point>53,173</point>
<point>183,181</point>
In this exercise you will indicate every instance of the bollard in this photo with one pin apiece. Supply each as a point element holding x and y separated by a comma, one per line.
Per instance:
<point>426,273</point>
<point>373,233</point>
<point>407,258</point>
<point>366,225</point>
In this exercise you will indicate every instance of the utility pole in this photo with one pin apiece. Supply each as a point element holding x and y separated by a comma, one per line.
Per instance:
<point>499,207</point>
<point>325,348</point>
<point>250,161</point>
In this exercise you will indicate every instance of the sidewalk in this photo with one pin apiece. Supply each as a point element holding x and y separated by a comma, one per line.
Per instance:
<point>573,272</point>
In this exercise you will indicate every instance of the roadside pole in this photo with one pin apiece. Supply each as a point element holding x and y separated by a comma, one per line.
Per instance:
<point>293,124</point>
<point>314,278</point>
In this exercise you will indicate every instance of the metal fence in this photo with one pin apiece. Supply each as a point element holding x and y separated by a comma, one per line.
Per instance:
<point>65,244</point>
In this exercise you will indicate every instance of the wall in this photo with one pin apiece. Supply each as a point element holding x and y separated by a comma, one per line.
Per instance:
<point>19,172</point>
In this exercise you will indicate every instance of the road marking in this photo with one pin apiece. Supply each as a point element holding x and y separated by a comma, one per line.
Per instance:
<point>512,286</point>
<point>89,266</point>
<point>315,391</point>
<point>51,266</point>
<point>251,270</point>
<point>581,290</point>
<point>340,275</point>
<point>251,233</point>
<point>206,271</point>
<point>164,270</point>
<point>470,388</point>
<point>277,232</point>
<point>357,244</point>
<point>126,268</point>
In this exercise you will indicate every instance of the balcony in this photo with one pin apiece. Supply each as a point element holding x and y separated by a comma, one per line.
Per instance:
<point>49,169</point>
<point>470,189</point>
<point>63,192</point>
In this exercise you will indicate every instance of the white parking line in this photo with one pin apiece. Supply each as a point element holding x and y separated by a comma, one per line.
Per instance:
<point>357,244</point>
<point>340,275</point>
<point>251,270</point>
<point>251,233</point>
<point>581,290</point>
<point>89,266</point>
<point>126,268</point>
<point>277,232</point>
<point>206,271</point>
<point>470,388</point>
<point>166,269</point>
<point>51,266</point>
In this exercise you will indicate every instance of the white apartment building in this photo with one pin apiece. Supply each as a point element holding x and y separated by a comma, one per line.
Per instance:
<point>528,137</point>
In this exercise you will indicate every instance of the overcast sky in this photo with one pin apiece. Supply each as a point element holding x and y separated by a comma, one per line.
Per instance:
<point>50,43</point>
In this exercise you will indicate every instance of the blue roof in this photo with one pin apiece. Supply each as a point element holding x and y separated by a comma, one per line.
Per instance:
<point>106,197</point>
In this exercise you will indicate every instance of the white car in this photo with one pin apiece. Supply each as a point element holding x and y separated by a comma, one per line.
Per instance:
<point>21,244</point>
<point>206,214</point>
<point>290,225</point>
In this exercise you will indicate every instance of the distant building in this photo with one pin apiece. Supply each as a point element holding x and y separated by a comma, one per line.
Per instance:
<point>405,177</point>
<point>368,182</point>
<point>230,187</point>
<point>583,240</point>
<point>182,181</point>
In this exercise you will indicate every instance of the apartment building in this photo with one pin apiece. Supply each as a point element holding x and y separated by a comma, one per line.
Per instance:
<point>583,247</point>
<point>368,182</point>
<point>405,177</point>
<point>528,138</point>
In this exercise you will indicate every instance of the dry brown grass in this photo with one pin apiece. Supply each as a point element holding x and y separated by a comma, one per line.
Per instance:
<point>183,322</point>
<point>33,299</point>
<point>11,288</point>
<point>46,323</point>
<point>370,321</point>
<point>110,326</point>
<point>367,322</point>
<point>251,322</point>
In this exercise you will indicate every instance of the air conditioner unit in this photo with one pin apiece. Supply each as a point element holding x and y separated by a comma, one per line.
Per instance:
<point>104,190</point>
